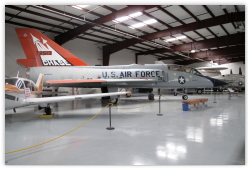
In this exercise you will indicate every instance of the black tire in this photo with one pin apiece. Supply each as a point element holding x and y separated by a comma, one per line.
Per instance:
<point>185,97</point>
<point>151,96</point>
<point>47,110</point>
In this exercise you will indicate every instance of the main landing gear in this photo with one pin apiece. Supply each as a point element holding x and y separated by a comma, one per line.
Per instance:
<point>184,96</point>
<point>46,109</point>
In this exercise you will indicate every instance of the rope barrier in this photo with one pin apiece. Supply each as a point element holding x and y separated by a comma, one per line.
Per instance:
<point>61,135</point>
<point>172,99</point>
<point>136,107</point>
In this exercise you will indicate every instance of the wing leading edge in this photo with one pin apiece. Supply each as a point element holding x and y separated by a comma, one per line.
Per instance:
<point>70,98</point>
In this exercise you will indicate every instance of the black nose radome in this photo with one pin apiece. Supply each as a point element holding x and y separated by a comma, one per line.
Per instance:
<point>216,82</point>
<point>219,83</point>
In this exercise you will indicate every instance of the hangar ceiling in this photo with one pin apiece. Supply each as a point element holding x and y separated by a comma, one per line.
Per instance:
<point>184,33</point>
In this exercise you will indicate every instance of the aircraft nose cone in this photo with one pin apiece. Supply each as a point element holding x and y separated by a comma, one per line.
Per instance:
<point>218,83</point>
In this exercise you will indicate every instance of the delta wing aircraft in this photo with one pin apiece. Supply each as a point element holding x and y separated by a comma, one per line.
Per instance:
<point>63,69</point>
<point>20,92</point>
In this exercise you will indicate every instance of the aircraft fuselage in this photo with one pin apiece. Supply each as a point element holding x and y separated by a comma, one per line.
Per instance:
<point>159,74</point>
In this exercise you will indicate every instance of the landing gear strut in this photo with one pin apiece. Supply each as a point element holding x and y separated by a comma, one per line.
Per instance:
<point>47,110</point>
<point>185,97</point>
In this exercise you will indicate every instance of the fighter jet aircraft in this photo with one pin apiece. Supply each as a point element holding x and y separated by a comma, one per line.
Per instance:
<point>20,92</point>
<point>235,81</point>
<point>63,69</point>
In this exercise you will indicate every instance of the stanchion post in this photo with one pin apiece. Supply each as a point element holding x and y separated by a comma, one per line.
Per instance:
<point>214,97</point>
<point>159,106</point>
<point>110,127</point>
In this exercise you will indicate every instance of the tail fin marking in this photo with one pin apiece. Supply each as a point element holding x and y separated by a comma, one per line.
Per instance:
<point>42,51</point>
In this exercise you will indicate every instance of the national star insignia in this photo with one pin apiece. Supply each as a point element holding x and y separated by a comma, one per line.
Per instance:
<point>181,80</point>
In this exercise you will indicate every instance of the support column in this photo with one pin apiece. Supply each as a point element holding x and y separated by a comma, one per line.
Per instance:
<point>105,56</point>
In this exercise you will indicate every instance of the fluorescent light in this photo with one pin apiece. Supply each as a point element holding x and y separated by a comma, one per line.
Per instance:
<point>151,21</point>
<point>181,37</point>
<point>138,25</point>
<point>124,18</point>
<point>79,6</point>
<point>121,19</point>
<point>192,51</point>
<point>171,39</point>
<point>82,6</point>
<point>135,14</point>
<point>76,7</point>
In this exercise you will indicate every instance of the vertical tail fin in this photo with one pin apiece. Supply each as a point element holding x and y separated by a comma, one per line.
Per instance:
<point>39,82</point>
<point>42,51</point>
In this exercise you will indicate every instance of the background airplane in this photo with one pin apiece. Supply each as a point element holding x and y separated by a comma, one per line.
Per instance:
<point>235,81</point>
<point>20,92</point>
<point>63,69</point>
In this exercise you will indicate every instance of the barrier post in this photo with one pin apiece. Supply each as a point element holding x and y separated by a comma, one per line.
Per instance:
<point>110,127</point>
<point>159,106</point>
<point>214,97</point>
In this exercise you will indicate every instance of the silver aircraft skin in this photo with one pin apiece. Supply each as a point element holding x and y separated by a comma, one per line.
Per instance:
<point>62,69</point>
<point>125,76</point>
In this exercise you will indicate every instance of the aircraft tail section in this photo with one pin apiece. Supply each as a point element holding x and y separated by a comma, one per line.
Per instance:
<point>42,51</point>
<point>39,82</point>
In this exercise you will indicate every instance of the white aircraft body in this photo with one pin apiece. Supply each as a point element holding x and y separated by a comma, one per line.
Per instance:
<point>211,71</point>
<point>63,69</point>
<point>20,92</point>
<point>232,80</point>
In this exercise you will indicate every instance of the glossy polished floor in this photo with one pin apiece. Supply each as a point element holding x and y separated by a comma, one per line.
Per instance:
<point>214,135</point>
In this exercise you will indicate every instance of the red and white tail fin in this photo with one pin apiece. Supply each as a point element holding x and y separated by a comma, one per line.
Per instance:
<point>39,82</point>
<point>42,51</point>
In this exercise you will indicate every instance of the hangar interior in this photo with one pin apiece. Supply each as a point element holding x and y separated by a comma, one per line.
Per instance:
<point>105,35</point>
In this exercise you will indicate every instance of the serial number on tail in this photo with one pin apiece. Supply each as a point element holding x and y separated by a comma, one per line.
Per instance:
<point>43,52</point>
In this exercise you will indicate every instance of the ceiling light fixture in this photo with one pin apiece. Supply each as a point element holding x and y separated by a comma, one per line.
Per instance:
<point>192,51</point>
<point>82,6</point>
<point>135,14</point>
<point>124,18</point>
<point>151,21</point>
<point>177,38</point>
<point>181,37</point>
<point>79,6</point>
<point>138,25</point>
<point>171,39</point>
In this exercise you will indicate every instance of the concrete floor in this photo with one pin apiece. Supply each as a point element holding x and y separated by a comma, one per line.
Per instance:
<point>214,135</point>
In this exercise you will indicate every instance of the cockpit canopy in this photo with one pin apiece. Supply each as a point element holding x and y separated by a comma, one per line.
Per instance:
<point>174,67</point>
<point>21,83</point>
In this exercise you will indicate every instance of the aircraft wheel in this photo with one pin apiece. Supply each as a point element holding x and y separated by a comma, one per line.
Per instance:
<point>151,96</point>
<point>185,97</point>
<point>199,91</point>
<point>47,110</point>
